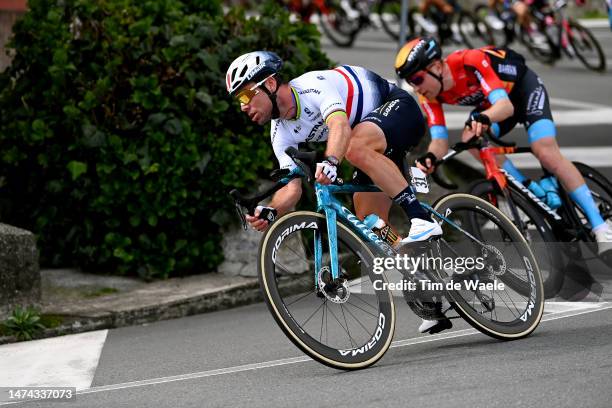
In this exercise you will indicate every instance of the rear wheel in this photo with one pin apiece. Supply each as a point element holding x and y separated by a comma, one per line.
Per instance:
<point>535,229</point>
<point>601,191</point>
<point>347,323</point>
<point>501,311</point>
<point>499,35</point>
<point>474,31</point>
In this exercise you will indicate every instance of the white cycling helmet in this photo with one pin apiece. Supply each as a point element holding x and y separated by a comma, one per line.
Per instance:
<point>253,66</point>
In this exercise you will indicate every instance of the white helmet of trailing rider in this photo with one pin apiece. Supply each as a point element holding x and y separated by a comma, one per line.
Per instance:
<point>253,66</point>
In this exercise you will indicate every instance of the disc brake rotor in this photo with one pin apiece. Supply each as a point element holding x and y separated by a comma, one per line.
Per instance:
<point>494,260</point>
<point>335,290</point>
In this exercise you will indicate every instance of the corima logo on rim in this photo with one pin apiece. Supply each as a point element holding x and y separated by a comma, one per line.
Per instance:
<point>532,295</point>
<point>370,344</point>
<point>290,230</point>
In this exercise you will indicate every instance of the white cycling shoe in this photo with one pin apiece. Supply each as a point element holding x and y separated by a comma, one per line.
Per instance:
<point>603,236</point>
<point>426,24</point>
<point>494,22</point>
<point>435,326</point>
<point>421,230</point>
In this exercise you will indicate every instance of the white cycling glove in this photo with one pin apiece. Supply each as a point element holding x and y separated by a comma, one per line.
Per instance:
<point>329,169</point>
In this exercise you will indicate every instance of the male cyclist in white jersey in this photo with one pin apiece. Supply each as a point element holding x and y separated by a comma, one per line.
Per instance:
<point>363,118</point>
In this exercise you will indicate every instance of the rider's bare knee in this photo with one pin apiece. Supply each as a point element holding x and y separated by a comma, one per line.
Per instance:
<point>550,158</point>
<point>356,154</point>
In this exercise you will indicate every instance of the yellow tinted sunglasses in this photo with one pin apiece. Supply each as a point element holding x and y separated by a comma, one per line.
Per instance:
<point>246,95</point>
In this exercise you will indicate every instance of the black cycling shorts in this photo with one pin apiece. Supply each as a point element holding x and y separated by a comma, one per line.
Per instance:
<point>531,106</point>
<point>403,124</point>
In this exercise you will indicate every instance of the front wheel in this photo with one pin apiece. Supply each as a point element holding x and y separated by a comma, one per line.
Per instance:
<point>500,254</point>
<point>345,323</point>
<point>587,47</point>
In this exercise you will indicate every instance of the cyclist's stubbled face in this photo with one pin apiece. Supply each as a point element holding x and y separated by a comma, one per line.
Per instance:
<point>259,108</point>
<point>428,86</point>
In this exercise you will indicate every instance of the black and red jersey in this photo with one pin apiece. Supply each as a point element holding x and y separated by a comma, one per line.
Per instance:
<point>480,76</point>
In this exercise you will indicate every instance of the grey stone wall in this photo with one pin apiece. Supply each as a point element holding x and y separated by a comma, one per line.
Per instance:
<point>240,251</point>
<point>19,270</point>
<point>241,248</point>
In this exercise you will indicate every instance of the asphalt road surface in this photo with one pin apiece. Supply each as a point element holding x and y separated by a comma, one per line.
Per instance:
<point>240,357</point>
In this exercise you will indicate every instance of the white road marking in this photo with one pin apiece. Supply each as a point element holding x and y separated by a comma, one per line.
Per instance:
<point>65,361</point>
<point>287,361</point>
<point>456,120</point>
<point>597,156</point>
<point>571,103</point>
<point>586,113</point>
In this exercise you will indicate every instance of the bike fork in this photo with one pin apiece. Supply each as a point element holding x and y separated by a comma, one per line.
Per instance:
<point>332,235</point>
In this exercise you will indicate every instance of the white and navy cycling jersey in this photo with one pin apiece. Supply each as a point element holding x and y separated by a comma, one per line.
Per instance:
<point>319,95</point>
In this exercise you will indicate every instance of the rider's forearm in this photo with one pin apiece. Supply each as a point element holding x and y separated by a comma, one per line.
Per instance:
<point>339,137</point>
<point>287,197</point>
<point>500,110</point>
<point>439,147</point>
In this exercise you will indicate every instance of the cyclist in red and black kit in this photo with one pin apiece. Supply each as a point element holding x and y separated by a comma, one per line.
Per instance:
<point>504,92</point>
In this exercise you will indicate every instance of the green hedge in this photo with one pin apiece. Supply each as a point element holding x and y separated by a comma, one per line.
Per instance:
<point>118,143</point>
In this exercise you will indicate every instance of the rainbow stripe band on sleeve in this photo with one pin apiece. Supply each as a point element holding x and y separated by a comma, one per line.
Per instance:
<point>334,113</point>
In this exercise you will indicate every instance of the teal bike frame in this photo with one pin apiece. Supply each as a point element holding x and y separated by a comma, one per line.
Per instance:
<point>333,209</point>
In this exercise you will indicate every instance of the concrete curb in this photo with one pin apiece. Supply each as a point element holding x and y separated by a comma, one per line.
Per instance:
<point>114,311</point>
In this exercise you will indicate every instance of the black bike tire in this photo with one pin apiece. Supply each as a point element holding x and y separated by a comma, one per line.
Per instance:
<point>592,174</point>
<point>380,8</point>
<point>554,281</point>
<point>320,352</point>
<point>486,37</point>
<point>500,37</point>
<point>507,331</point>
<point>548,58</point>
<point>602,59</point>
<point>589,173</point>
<point>339,38</point>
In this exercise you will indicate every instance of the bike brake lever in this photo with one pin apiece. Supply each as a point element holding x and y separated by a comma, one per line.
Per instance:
<point>239,203</point>
<point>241,216</point>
